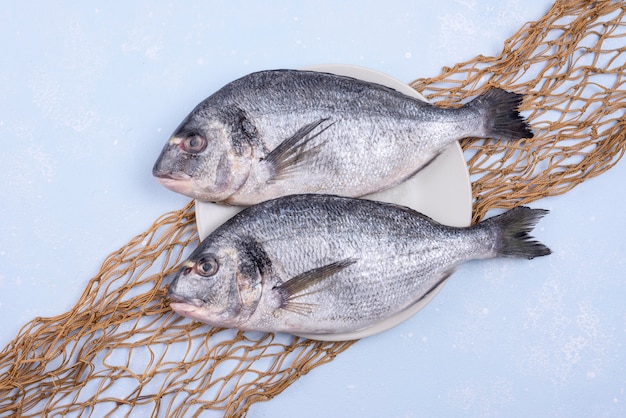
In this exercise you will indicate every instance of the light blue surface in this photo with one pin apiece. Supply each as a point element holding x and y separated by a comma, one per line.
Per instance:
<point>90,92</point>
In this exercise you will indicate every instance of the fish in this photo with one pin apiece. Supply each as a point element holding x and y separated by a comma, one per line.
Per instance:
<point>279,132</point>
<point>323,265</point>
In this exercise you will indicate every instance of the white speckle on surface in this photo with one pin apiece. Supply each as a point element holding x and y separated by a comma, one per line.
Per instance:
<point>52,100</point>
<point>470,4</point>
<point>476,23</point>
<point>133,67</point>
<point>141,42</point>
<point>47,95</point>
<point>463,396</point>
<point>569,339</point>
<point>81,119</point>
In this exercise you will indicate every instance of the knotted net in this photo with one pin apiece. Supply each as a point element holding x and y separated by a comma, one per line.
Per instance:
<point>118,351</point>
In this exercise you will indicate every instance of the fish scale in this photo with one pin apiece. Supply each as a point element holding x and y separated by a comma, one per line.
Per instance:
<point>280,132</point>
<point>334,265</point>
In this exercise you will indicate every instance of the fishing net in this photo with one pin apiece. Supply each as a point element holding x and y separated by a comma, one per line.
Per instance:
<point>118,351</point>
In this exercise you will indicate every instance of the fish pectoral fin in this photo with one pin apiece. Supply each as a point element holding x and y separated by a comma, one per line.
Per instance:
<point>292,152</point>
<point>300,285</point>
<point>303,309</point>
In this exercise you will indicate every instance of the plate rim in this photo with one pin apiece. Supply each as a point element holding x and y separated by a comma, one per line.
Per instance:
<point>388,323</point>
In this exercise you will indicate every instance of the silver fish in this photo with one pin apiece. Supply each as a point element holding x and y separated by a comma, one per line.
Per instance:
<point>280,132</point>
<point>319,265</point>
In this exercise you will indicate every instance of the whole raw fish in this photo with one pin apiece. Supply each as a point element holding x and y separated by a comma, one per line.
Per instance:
<point>280,132</point>
<point>319,264</point>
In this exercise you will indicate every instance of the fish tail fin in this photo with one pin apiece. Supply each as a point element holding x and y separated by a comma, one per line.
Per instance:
<point>514,227</point>
<point>501,117</point>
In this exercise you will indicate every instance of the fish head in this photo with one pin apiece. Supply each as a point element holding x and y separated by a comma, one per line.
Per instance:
<point>202,160</point>
<point>216,287</point>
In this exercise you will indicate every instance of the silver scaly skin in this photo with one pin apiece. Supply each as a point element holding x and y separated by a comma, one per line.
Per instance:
<point>322,264</point>
<point>280,132</point>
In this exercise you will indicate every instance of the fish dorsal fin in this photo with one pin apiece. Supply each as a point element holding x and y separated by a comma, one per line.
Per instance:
<point>297,287</point>
<point>292,152</point>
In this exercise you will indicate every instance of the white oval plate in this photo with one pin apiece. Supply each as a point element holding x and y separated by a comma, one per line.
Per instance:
<point>442,190</point>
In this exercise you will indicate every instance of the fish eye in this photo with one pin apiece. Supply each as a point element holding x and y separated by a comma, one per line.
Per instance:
<point>194,144</point>
<point>206,267</point>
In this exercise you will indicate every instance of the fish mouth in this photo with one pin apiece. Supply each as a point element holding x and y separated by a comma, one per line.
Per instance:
<point>170,176</point>
<point>175,298</point>
<point>187,310</point>
<point>177,183</point>
<point>190,308</point>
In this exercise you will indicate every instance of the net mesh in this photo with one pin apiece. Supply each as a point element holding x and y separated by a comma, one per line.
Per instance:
<point>122,351</point>
<point>570,65</point>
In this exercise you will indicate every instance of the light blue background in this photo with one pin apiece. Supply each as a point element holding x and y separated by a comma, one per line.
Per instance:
<point>91,91</point>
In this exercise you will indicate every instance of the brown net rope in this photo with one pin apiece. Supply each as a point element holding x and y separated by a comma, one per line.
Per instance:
<point>570,65</point>
<point>118,351</point>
